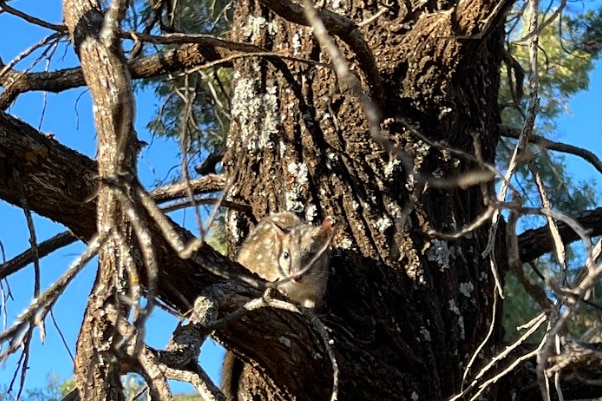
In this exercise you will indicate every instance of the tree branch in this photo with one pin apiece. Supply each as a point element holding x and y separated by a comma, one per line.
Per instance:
<point>558,146</point>
<point>186,56</point>
<point>536,242</point>
<point>50,245</point>
<point>209,183</point>
<point>57,182</point>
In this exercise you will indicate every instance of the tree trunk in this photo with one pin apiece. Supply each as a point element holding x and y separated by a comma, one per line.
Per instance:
<point>406,310</point>
<point>94,35</point>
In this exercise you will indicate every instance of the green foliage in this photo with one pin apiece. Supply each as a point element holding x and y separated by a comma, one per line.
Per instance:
<point>194,106</point>
<point>588,31</point>
<point>519,309</point>
<point>187,397</point>
<point>217,235</point>
<point>54,390</point>
<point>568,47</point>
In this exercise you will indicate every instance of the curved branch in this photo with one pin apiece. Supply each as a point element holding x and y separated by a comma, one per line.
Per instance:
<point>558,146</point>
<point>31,19</point>
<point>187,56</point>
<point>342,27</point>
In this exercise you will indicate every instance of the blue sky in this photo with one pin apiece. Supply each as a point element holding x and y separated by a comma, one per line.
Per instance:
<point>69,116</point>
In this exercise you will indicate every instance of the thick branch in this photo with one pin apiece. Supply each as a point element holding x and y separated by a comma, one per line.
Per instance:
<point>536,242</point>
<point>57,182</point>
<point>186,56</point>
<point>343,27</point>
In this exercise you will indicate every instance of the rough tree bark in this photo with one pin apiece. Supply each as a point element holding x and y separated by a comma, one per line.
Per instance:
<point>405,309</point>
<point>94,36</point>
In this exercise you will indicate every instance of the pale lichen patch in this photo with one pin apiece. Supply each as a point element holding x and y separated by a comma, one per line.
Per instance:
<point>310,213</point>
<point>296,43</point>
<point>256,114</point>
<point>383,223</point>
<point>233,227</point>
<point>453,307</point>
<point>293,201</point>
<point>439,253</point>
<point>253,26</point>
<point>299,171</point>
<point>466,289</point>
<point>391,167</point>
<point>425,333</point>
<point>346,243</point>
<point>284,341</point>
<point>461,327</point>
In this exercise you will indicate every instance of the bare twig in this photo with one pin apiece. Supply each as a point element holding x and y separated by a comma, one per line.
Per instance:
<point>61,335</point>
<point>496,360</point>
<point>32,233</point>
<point>27,52</point>
<point>44,248</point>
<point>9,94</point>
<point>468,228</point>
<point>526,132</point>
<point>188,251</point>
<point>206,201</point>
<point>31,19</point>
<point>206,184</point>
<point>36,287</point>
<point>559,246</point>
<point>40,306</point>
<point>483,343</point>
<point>514,263</point>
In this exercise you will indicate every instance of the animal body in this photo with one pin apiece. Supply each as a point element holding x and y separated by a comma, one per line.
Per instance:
<point>283,249</point>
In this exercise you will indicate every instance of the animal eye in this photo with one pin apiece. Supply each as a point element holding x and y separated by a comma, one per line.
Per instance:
<point>286,255</point>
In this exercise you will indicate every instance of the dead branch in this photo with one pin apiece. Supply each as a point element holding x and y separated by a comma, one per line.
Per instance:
<point>342,27</point>
<point>545,143</point>
<point>194,51</point>
<point>203,185</point>
<point>172,60</point>
<point>537,242</point>
<point>50,245</point>
<point>31,19</point>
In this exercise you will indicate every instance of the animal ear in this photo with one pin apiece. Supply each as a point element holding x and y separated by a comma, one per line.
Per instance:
<point>327,228</point>
<point>279,231</point>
